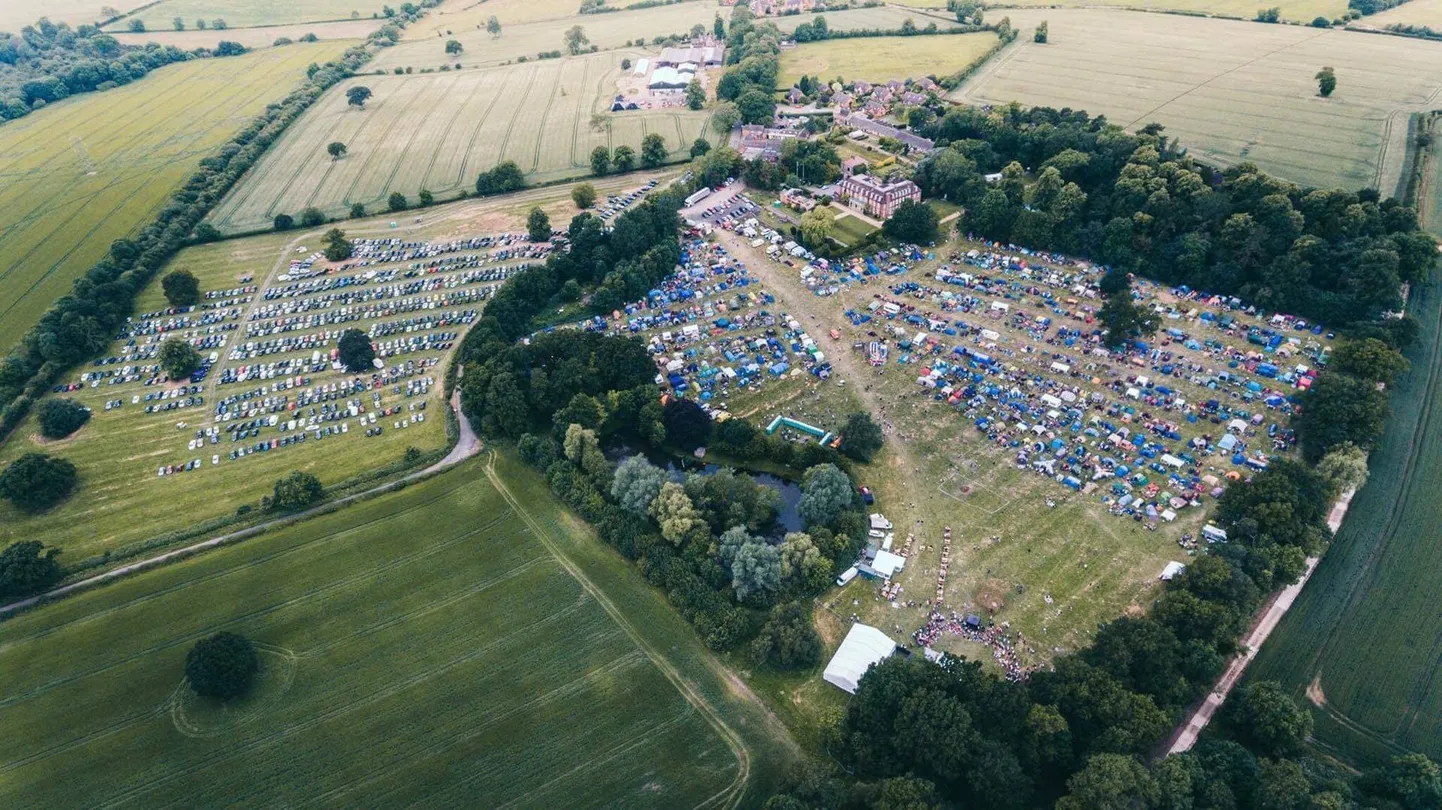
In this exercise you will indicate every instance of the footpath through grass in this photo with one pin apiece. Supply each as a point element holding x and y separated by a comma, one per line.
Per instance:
<point>422,646</point>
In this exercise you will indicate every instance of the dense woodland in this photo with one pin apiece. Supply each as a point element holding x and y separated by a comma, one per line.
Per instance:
<point>1138,203</point>
<point>48,61</point>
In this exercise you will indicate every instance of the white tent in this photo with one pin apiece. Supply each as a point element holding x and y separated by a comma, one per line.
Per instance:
<point>862,647</point>
<point>887,564</point>
<point>1171,570</point>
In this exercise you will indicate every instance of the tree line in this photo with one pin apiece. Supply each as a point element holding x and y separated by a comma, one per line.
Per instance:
<point>1137,202</point>
<point>48,61</point>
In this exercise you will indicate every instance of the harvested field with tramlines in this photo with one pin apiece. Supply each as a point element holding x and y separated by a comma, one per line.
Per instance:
<point>880,59</point>
<point>1412,12</point>
<point>124,506</point>
<point>193,38</point>
<point>159,16</point>
<point>518,42</point>
<point>1296,10</point>
<point>16,14</point>
<point>878,17</point>
<point>449,641</point>
<point>1362,646</point>
<point>439,131</point>
<point>81,173</point>
<point>1230,91</point>
<point>468,15</point>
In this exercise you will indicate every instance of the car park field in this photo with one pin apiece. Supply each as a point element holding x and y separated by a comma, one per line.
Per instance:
<point>88,170</point>
<point>881,59</point>
<point>159,458</point>
<point>448,641</point>
<point>1229,91</point>
<point>439,131</point>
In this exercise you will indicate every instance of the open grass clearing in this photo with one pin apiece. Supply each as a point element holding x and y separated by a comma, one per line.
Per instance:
<point>439,131</point>
<point>122,502</point>
<point>251,13</point>
<point>881,59</point>
<point>1295,10</point>
<point>86,171</point>
<point>436,644</point>
<point>1229,91</point>
<point>193,38</point>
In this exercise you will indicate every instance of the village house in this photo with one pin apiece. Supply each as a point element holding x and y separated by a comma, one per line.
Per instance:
<point>852,164</point>
<point>916,142</point>
<point>797,199</point>
<point>878,198</point>
<point>913,99</point>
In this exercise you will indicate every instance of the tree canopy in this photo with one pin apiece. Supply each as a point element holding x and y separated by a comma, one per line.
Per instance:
<point>60,417</point>
<point>178,359</point>
<point>222,666</point>
<point>296,491</point>
<point>35,482</point>
<point>181,288</point>
<point>28,568</point>
<point>355,350</point>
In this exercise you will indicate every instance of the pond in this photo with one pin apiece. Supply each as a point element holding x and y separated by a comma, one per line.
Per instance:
<point>788,519</point>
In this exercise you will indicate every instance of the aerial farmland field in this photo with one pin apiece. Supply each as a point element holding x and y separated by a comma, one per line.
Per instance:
<point>16,14</point>
<point>1297,10</point>
<point>1413,12</point>
<point>439,131</point>
<point>158,16</point>
<point>193,38</point>
<point>605,31</point>
<point>88,170</point>
<point>883,17</point>
<point>434,645</point>
<point>468,15</point>
<point>1229,91</point>
<point>881,59</point>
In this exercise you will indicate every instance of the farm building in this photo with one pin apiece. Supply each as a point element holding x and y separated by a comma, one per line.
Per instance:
<point>862,647</point>
<point>916,142</point>
<point>696,56</point>
<point>878,197</point>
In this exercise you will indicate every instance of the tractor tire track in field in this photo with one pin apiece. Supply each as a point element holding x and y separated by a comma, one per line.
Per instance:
<point>475,133</point>
<point>334,585</point>
<point>282,734</point>
<point>350,194</point>
<point>446,133</point>
<point>1388,534</point>
<point>71,744</point>
<point>511,126</point>
<point>733,740</point>
<point>406,150</point>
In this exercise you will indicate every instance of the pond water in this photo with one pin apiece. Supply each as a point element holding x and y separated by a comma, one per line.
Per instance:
<point>787,518</point>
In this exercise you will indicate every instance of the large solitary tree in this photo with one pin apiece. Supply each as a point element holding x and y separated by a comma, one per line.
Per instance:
<point>336,149</point>
<point>357,96</point>
<point>178,359</point>
<point>296,491</point>
<point>27,568</point>
<point>356,351</point>
<point>181,288</point>
<point>538,225</point>
<point>61,417</point>
<point>1326,82</point>
<point>222,666</point>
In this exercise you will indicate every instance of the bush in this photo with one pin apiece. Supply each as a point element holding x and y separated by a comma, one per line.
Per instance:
<point>583,195</point>
<point>35,482</point>
<point>312,217</point>
<point>788,640</point>
<point>181,288</point>
<point>27,568</point>
<point>296,491</point>
<point>397,202</point>
<point>222,666</point>
<point>284,222</point>
<point>61,417</point>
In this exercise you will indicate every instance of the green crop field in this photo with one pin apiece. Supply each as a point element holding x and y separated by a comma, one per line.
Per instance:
<point>881,59</point>
<point>1298,10</point>
<point>158,16</point>
<point>605,31</point>
<point>1363,643</point>
<point>435,645</point>
<point>439,131</point>
<point>86,171</point>
<point>1229,91</point>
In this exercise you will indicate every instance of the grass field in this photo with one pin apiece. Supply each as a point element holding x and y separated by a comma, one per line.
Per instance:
<point>605,31</point>
<point>1229,91</point>
<point>1412,12</point>
<point>1298,10</point>
<point>439,131</point>
<point>193,38</point>
<point>86,171</point>
<point>247,14</point>
<point>436,645</point>
<point>884,17</point>
<point>881,59</point>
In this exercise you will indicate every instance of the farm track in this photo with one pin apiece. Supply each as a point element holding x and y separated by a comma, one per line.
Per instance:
<point>733,740</point>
